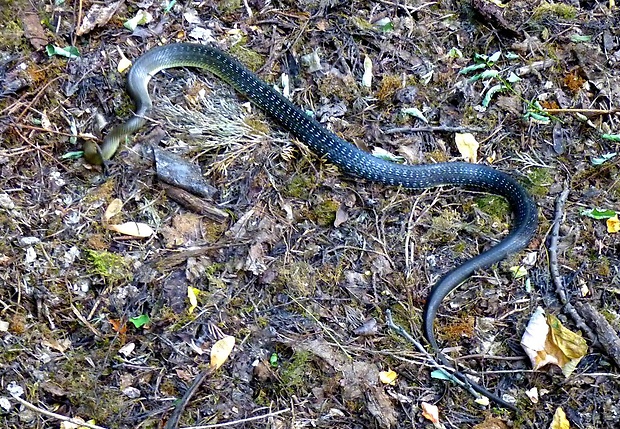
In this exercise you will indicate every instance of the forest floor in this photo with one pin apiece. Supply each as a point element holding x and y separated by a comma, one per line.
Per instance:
<point>296,261</point>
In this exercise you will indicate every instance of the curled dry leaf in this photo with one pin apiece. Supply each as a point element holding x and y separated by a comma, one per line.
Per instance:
<point>97,16</point>
<point>133,229</point>
<point>221,350</point>
<point>559,420</point>
<point>546,341</point>
<point>192,294</point>
<point>124,63</point>
<point>467,146</point>
<point>431,413</point>
<point>388,377</point>
<point>114,208</point>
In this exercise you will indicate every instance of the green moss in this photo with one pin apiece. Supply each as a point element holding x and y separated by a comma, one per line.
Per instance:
<point>294,373</point>
<point>299,187</point>
<point>603,266</point>
<point>558,10</point>
<point>494,206</point>
<point>112,267</point>
<point>228,6</point>
<point>444,227</point>
<point>326,212</point>
<point>251,59</point>
<point>540,181</point>
<point>298,278</point>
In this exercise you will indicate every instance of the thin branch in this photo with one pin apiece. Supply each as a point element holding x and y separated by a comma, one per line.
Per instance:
<point>60,417</point>
<point>173,421</point>
<point>554,269</point>
<point>436,129</point>
<point>453,374</point>
<point>237,422</point>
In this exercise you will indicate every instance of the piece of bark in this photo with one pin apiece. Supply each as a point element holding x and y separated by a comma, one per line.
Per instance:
<point>606,334</point>
<point>196,204</point>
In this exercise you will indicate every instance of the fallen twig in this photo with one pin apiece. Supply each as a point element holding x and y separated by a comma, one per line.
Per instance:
<point>436,129</point>
<point>554,267</point>
<point>237,422</point>
<point>456,376</point>
<point>77,422</point>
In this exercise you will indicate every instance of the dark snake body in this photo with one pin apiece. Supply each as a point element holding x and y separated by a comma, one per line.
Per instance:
<point>346,156</point>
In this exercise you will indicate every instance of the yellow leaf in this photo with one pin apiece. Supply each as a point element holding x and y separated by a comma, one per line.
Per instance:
<point>123,63</point>
<point>133,229</point>
<point>430,412</point>
<point>559,420</point>
<point>613,225</point>
<point>113,209</point>
<point>571,347</point>
<point>467,146</point>
<point>518,271</point>
<point>388,377</point>
<point>192,294</point>
<point>221,350</point>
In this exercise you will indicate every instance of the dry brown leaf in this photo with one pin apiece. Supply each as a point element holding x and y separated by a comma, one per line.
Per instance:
<point>97,16</point>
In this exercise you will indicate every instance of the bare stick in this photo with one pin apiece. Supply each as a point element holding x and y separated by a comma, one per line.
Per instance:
<point>60,417</point>
<point>236,422</point>
<point>554,269</point>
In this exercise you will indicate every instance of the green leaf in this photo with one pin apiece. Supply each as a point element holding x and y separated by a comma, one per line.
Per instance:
<point>273,360</point>
<point>473,67</point>
<point>455,53</point>
<point>140,321</point>
<point>598,214</point>
<point>493,58</point>
<point>611,137</point>
<point>491,92</point>
<point>170,6</point>
<point>77,154</point>
<point>577,38</point>
<point>69,51</point>
<point>513,78</point>
<point>603,158</point>
<point>387,156</point>
<point>487,74</point>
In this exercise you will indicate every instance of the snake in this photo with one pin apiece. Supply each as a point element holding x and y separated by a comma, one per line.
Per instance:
<point>349,158</point>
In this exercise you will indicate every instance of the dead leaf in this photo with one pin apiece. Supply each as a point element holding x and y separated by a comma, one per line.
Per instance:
<point>559,420</point>
<point>114,208</point>
<point>118,326</point>
<point>97,16</point>
<point>127,349</point>
<point>491,423</point>
<point>341,216</point>
<point>192,294</point>
<point>571,346</point>
<point>33,30</point>
<point>133,229</point>
<point>547,341</point>
<point>467,146</point>
<point>124,63</point>
<point>59,345</point>
<point>221,351</point>
<point>431,413</point>
<point>388,377</point>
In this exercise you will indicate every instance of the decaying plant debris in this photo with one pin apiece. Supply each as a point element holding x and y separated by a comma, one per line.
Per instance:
<point>294,260</point>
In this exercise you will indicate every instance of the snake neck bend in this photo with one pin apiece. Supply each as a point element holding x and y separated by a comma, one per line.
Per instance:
<point>346,156</point>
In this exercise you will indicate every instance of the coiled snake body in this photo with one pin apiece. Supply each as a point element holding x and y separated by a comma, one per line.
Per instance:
<point>346,156</point>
